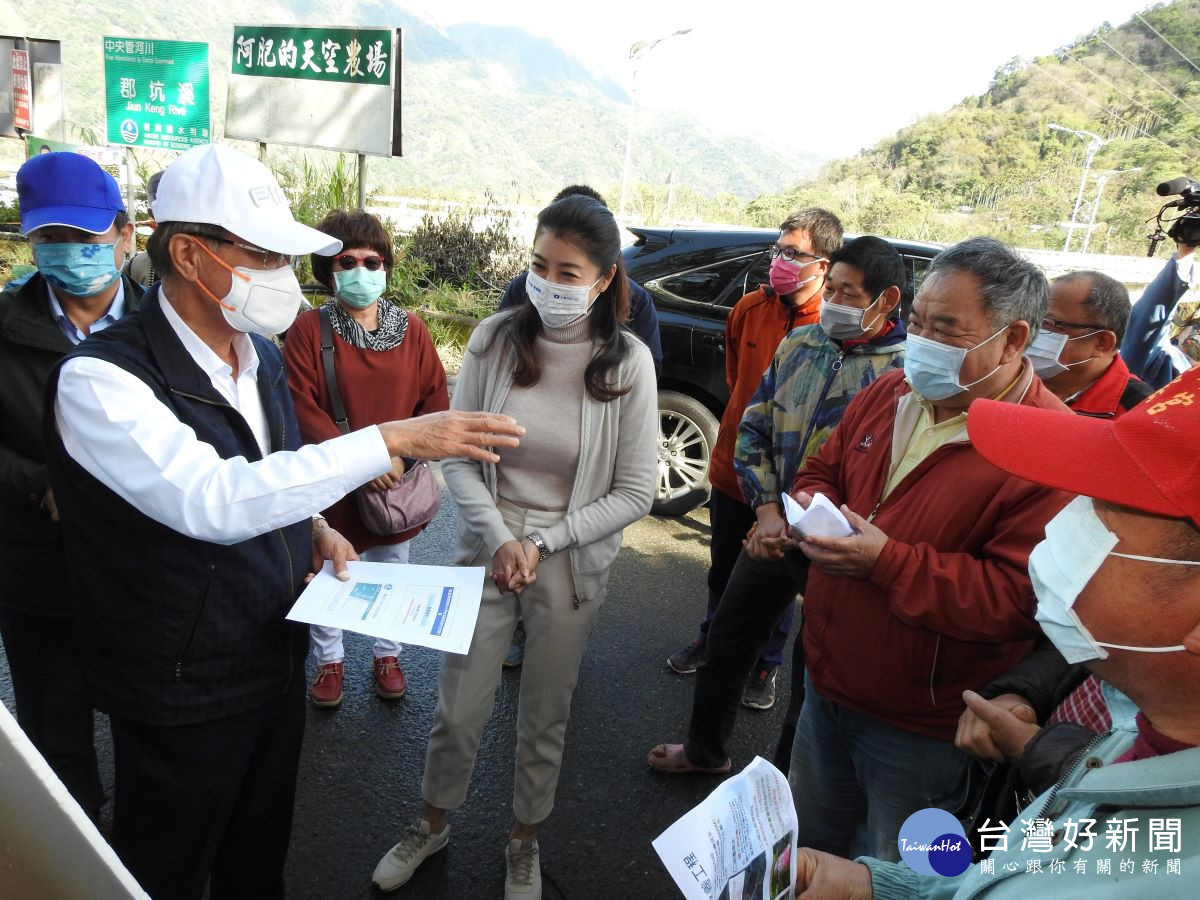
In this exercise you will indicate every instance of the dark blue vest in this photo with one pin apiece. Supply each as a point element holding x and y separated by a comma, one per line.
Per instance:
<point>178,630</point>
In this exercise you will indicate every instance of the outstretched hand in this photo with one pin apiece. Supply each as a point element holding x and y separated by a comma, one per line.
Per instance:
<point>451,433</point>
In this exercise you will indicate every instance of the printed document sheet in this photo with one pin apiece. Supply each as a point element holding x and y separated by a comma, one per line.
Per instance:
<point>432,606</point>
<point>739,843</point>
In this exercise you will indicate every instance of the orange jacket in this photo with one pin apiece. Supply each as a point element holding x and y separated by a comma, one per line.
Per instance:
<point>756,325</point>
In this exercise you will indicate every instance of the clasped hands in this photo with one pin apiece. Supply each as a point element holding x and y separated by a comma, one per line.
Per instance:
<point>514,566</point>
<point>853,557</point>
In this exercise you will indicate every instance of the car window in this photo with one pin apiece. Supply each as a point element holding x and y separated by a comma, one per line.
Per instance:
<point>758,272</point>
<point>915,268</point>
<point>705,284</point>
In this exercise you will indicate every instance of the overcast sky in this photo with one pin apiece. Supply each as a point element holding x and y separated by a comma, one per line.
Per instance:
<point>829,78</point>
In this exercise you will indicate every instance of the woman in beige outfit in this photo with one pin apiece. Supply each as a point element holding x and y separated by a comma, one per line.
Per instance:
<point>547,519</point>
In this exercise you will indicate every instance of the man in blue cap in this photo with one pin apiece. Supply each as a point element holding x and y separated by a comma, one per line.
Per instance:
<point>72,213</point>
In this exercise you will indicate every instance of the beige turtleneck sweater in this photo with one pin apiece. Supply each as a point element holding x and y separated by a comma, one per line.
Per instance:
<point>540,473</point>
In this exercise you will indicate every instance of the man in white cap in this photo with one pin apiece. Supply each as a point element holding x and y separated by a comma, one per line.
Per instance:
<point>188,508</point>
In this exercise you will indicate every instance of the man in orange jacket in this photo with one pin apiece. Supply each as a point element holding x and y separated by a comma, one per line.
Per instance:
<point>756,325</point>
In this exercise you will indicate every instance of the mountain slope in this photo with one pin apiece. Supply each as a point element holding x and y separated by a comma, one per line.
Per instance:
<point>992,164</point>
<point>485,108</point>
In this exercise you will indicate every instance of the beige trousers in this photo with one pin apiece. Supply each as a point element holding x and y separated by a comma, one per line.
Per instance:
<point>556,637</point>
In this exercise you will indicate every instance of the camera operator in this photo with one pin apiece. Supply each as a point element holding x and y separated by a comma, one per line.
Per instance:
<point>1149,348</point>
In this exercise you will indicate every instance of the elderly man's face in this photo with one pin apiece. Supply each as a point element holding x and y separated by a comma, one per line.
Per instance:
<point>949,309</point>
<point>1067,314</point>
<point>1139,603</point>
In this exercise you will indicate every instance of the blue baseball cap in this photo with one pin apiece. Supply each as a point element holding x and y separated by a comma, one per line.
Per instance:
<point>67,189</point>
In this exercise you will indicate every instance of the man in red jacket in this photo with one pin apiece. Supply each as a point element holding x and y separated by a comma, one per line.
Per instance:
<point>756,325</point>
<point>930,594</point>
<point>1076,352</point>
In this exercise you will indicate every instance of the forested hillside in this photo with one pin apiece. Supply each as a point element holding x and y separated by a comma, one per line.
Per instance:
<point>993,165</point>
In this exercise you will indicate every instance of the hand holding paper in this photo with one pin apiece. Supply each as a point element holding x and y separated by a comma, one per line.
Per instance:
<point>821,519</point>
<point>850,544</point>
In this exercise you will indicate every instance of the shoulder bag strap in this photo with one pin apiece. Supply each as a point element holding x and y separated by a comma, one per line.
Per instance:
<point>335,396</point>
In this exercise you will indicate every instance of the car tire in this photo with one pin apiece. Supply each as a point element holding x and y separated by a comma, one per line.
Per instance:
<point>687,433</point>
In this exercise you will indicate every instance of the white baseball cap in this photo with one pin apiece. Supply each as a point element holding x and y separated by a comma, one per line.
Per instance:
<point>217,185</point>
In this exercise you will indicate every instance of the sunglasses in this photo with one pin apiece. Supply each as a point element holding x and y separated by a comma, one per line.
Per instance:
<point>370,263</point>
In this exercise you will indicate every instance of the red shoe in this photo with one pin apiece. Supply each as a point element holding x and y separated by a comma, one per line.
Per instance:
<point>389,680</point>
<point>326,688</point>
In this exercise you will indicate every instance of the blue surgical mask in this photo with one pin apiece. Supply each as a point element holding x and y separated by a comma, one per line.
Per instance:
<point>1046,349</point>
<point>80,270</point>
<point>1060,567</point>
<point>360,287</point>
<point>932,368</point>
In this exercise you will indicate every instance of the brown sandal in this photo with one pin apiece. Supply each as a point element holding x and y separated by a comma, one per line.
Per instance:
<point>670,759</point>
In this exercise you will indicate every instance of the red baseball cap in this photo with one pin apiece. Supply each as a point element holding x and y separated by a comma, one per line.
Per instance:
<point>1147,459</point>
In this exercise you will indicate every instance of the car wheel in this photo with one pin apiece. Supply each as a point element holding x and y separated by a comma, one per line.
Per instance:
<point>687,432</point>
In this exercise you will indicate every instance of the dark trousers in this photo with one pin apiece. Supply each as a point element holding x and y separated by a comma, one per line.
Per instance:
<point>53,707</point>
<point>730,519</point>
<point>213,799</point>
<point>758,593</point>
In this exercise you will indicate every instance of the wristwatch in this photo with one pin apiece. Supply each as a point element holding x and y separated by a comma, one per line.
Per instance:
<point>536,539</point>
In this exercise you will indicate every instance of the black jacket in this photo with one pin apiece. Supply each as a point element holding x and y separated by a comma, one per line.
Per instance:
<point>177,630</point>
<point>31,345</point>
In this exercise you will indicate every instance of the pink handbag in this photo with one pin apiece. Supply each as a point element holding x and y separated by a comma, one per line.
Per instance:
<point>410,504</point>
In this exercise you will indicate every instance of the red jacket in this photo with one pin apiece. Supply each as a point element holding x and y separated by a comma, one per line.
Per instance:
<point>376,387</point>
<point>948,605</point>
<point>756,325</point>
<point>1112,393</point>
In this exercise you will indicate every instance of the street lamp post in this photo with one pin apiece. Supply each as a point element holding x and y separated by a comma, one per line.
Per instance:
<point>636,52</point>
<point>1095,142</point>
<point>1101,181</point>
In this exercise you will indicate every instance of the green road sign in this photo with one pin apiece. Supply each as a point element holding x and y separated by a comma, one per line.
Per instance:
<point>353,55</point>
<point>156,93</point>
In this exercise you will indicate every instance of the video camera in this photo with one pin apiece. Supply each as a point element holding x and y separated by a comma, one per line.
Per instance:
<point>1183,228</point>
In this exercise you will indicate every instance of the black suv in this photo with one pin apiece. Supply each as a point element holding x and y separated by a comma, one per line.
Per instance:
<point>695,276</point>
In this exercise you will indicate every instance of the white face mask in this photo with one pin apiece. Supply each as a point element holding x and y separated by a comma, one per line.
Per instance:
<point>1046,349</point>
<point>845,323</point>
<point>260,301</point>
<point>558,304</point>
<point>1060,567</point>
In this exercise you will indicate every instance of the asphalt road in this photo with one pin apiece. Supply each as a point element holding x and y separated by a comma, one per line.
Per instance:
<point>361,767</point>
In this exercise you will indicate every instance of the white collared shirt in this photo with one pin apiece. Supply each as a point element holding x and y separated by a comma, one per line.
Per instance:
<point>115,310</point>
<point>118,431</point>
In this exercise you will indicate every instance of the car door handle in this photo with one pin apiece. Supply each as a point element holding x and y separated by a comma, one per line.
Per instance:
<point>714,339</point>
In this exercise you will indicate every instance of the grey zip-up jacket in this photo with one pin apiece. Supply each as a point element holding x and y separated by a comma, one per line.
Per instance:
<point>614,483</point>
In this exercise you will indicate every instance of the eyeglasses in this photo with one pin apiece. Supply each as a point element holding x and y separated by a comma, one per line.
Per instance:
<point>1049,324</point>
<point>370,263</point>
<point>270,259</point>
<point>791,254</point>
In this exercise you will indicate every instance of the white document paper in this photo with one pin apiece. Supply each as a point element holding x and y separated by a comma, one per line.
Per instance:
<point>432,606</point>
<point>739,843</point>
<point>821,519</point>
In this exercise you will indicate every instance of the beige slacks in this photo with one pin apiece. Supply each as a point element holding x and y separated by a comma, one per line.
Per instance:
<point>556,637</point>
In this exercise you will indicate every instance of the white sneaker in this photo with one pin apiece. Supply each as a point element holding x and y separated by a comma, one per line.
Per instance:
<point>399,863</point>
<point>524,878</point>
